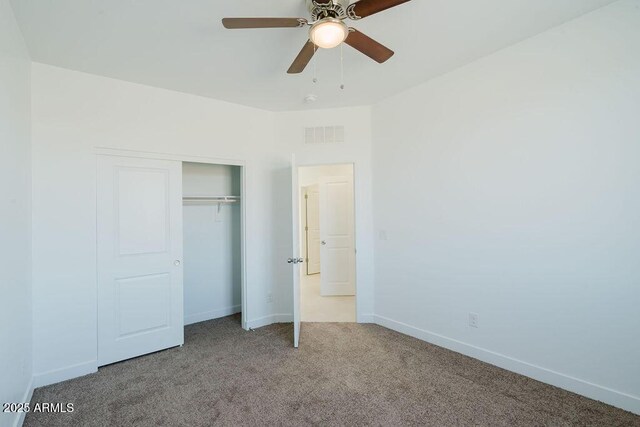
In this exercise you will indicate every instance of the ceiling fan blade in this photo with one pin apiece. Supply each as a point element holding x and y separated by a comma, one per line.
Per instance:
<point>303,58</point>
<point>364,8</point>
<point>368,46</point>
<point>234,23</point>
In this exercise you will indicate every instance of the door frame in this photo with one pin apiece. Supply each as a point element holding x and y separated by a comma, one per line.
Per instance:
<point>305,233</point>
<point>354,166</point>
<point>101,151</point>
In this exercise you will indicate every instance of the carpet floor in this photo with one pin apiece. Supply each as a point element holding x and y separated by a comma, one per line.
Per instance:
<point>343,374</point>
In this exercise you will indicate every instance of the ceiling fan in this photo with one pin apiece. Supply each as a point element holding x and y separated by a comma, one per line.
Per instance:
<point>327,28</point>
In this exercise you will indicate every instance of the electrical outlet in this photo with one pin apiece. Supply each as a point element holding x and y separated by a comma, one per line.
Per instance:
<point>473,320</point>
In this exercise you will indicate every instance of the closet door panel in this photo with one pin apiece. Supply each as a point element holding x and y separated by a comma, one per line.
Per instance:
<point>140,295</point>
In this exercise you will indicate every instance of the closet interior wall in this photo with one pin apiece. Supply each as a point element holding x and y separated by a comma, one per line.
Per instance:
<point>212,253</point>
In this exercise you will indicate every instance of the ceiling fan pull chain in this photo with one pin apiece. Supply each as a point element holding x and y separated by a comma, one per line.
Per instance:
<point>341,67</point>
<point>315,61</point>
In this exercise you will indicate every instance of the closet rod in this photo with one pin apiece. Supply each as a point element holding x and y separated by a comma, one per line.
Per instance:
<point>213,199</point>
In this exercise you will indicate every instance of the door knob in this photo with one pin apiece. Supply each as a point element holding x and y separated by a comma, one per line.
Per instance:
<point>176,262</point>
<point>323,242</point>
<point>300,260</point>
<point>289,260</point>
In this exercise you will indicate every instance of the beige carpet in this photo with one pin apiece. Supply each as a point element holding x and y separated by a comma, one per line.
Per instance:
<point>344,374</point>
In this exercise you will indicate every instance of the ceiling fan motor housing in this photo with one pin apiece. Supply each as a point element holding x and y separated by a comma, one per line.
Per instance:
<point>320,9</point>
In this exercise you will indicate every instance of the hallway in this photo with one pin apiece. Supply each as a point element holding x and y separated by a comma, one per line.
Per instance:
<point>316,308</point>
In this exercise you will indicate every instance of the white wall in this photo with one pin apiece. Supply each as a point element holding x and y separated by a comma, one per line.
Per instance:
<point>212,254</point>
<point>205,179</point>
<point>74,112</point>
<point>15,216</point>
<point>510,188</point>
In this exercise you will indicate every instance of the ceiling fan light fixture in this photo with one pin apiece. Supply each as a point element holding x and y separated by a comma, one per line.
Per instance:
<point>328,33</point>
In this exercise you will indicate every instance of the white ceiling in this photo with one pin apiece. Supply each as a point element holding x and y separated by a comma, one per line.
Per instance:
<point>181,45</point>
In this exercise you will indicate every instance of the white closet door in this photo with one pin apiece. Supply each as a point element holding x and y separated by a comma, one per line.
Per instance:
<point>337,249</point>
<point>140,307</point>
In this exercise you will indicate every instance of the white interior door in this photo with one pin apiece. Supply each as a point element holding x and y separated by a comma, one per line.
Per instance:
<point>312,214</point>
<point>295,259</point>
<point>140,307</point>
<point>337,234</point>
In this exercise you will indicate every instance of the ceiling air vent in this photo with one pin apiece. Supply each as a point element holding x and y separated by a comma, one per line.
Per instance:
<point>324,134</point>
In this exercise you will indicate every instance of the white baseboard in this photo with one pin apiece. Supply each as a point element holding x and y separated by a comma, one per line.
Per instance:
<point>282,318</point>
<point>213,314</point>
<point>63,374</point>
<point>366,318</point>
<point>28,394</point>
<point>287,318</point>
<point>575,385</point>
<point>268,320</point>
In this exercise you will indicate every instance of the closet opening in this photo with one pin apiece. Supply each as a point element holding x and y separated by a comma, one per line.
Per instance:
<point>212,241</point>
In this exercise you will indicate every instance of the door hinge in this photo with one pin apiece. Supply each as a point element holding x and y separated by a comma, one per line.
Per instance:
<point>306,228</point>
<point>306,196</point>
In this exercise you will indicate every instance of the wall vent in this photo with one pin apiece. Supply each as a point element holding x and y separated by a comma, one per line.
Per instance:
<point>324,134</point>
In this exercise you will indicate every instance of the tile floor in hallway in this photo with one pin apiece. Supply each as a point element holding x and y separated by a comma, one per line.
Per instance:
<point>316,308</point>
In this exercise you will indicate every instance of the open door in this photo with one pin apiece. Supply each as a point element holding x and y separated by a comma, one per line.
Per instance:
<point>295,259</point>
<point>337,233</point>
<point>140,301</point>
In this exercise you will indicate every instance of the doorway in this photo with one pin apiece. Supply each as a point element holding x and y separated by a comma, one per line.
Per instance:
<point>327,242</point>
